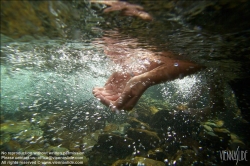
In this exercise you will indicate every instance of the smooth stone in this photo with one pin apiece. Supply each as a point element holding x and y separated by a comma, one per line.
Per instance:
<point>208,128</point>
<point>235,144</point>
<point>210,124</point>
<point>221,132</point>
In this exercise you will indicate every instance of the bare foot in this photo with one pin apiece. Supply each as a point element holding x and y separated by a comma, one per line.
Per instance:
<point>123,89</point>
<point>112,89</point>
<point>127,8</point>
<point>121,92</point>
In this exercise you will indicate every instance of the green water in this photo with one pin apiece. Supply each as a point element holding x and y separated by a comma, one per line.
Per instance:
<point>52,70</point>
<point>50,62</point>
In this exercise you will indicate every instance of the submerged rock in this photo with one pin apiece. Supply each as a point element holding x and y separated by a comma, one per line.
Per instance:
<point>65,127</point>
<point>14,127</point>
<point>212,134</point>
<point>208,128</point>
<point>110,127</point>
<point>234,136</point>
<point>236,144</point>
<point>11,146</point>
<point>89,141</point>
<point>210,124</point>
<point>221,132</point>
<point>146,139</point>
<point>181,123</point>
<point>1,119</point>
<point>213,140</point>
<point>138,124</point>
<point>119,129</point>
<point>153,109</point>
<point>5,137</point>
<point>156,154</point>
<point>219,123</point>
<point>108,148</point>
<point>41,18</point>
<point>185,157</point>
<point>113,143</point>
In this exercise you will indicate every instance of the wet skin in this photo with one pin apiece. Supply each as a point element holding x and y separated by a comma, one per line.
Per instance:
<point>142,68</point>
<point>123,89</point>
<point>127,9</point>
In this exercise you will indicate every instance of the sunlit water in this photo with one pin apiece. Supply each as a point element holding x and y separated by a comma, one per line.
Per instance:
<point>51,81</point>
<point>52,75</point>
<point>48,84</point>
<point>48,73</point>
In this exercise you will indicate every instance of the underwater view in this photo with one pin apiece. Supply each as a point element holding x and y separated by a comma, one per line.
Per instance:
<point>125,83</point>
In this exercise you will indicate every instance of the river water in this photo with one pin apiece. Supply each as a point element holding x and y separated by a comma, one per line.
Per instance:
<point>51,61</point>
